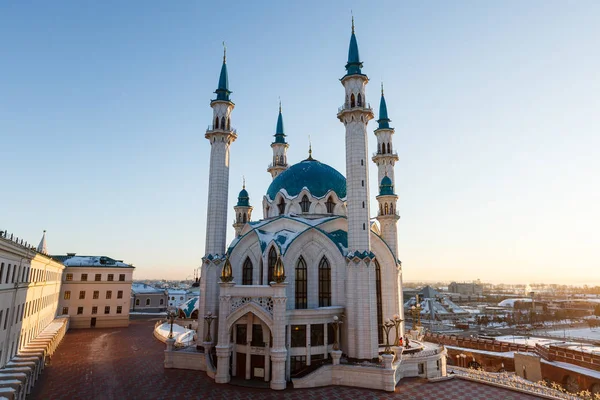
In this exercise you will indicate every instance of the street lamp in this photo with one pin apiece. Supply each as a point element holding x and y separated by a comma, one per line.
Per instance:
<point>416,315</point>
<point>336,328</point>
<point>387,327</point>
<point>397,321</point>
<point>209,319</point>
<point>171,315</point>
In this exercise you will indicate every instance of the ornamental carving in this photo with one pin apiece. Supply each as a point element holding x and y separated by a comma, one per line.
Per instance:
<point>225,299</point>
<point>266,303</point>
<point>280,300</point>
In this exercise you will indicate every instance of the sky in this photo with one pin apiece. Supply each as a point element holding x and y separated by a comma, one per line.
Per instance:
<point>104,105</point>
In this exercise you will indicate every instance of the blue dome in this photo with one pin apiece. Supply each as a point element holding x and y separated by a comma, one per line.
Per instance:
<point>386,187</point>
<point>243,199</point>
<point>317,177</point>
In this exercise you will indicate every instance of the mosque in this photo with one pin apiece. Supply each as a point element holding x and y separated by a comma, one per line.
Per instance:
<point>316,277</point>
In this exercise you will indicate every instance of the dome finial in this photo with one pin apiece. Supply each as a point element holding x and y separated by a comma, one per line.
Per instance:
<point>243,182</point>
<point>309,148</point>
<point>279,105</point>
<point>352,21</point>
<point>224,53</point>
<point>382,88</point>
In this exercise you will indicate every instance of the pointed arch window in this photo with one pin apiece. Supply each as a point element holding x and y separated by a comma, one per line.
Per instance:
<point>330,204</point>
<point>386,209</point>
<point>244,217</point>
<point>359,102</point>
<point>352,101</point>
<point>281,207</point>
<point>301,286</point>
<point>305,204</point>
<point>223,123</point>
<point>324,283</point>
<point>379,302</point>
<point>389,148</point>
<point>247,272</point>
<point>228,123</point>
<point>216,123</point>
<point>272,259</point>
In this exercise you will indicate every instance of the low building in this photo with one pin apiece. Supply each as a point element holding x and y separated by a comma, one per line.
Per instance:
<point>95,291</point>
<point>30,284</point>
<point>468,289</point>
<point>146,298</point>
<point>176,297</point>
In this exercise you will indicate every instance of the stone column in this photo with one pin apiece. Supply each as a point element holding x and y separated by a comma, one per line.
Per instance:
<point>278,352</point>
<point>223,346</point>
<point>169,353</point>
<point>336,355</point>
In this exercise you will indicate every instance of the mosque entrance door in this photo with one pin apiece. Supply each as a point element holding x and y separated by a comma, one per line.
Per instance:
<point>257,363</point>
<point>240,365</point>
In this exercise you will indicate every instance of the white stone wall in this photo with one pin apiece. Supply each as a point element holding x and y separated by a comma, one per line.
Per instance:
<point>28,302</point>
<point>292,204</point>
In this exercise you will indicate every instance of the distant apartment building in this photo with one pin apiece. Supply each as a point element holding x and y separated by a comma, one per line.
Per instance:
<point>146,298</point>
<point>30,284</point>
<point>466,289</point>
<point>95,291</point>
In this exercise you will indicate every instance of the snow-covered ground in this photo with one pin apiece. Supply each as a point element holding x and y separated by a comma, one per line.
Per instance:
<point>575,333</point>
<point>180,334</point>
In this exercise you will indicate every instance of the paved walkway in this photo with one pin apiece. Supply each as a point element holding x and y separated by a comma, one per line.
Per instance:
<point>127,363</point>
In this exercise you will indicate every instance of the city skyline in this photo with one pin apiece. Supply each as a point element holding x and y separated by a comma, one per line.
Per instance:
<point>493,108</point>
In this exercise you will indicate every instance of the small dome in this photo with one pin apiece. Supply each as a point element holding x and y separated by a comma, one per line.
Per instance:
<point>243,199</point>
<point>317,177</point>
<point>386,187</point>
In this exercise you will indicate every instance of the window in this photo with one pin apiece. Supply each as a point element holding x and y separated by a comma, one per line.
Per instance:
<point>122,277</point>
<point>301,301</point>
<point>84,277</point>
<point>147,302</point>
<point>247,272</point>
<point>13,274</point>
<point>324,283</point>
<point>240,334</point>
<point>6,318</point>
<point>119,309</point>
<point>1,271</point>
<point>297,363</point>
<point>108,294</point>
<point>65,310</point>
<point>317,335</point>
<point>379,302</point>
<point>94,310</point>
<point>330,333</point>
<point>257,336</point>
<point>111,277</point>
<point>82,295</point>
<point>120,294</point>
<point>96,295</point>
<point>79,310</point>
<point>69,277</point>
<point>305,204</point>
<point>421,368</point>
<point>107,310</point>
<point>330,204</point>
<point>271,264</point>
<point>181,298</point>
<point>7,273</point>
<point>298,338</point>
<point>162,301</point>
<point>67,295</point>
<point>98,277</point>
<point>352,101</point>
<point>172,297</point>
<point>281,206</point>
<point>137,302</point>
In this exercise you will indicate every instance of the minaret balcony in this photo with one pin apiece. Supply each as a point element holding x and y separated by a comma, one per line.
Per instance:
<point>380,154</point>
<point>348,106</point>
<point>272,165</point>
<point>213,128</point>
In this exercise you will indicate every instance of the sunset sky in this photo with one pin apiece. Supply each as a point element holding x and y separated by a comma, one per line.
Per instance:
<point>496,105</point>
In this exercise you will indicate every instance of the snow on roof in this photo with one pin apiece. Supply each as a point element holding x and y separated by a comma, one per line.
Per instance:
<point>528,340</point>
<point>574,368</point>
<point>143,288</point>
<point>511,302</point>
<point>91,261</point>
<point>177,291</point>
<point>506,354</point>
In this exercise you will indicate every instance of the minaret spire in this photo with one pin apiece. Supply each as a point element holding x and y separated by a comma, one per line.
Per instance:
<point>43,246</point>
<point>279,147</point>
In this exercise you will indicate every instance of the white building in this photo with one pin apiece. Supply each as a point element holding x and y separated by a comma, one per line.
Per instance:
<point>95,291</point>
<point>30,283</point>
<point>315,254</point>
<point>176,297</point>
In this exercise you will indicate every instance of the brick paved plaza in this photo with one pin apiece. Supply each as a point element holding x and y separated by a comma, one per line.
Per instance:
<point>127,363</point>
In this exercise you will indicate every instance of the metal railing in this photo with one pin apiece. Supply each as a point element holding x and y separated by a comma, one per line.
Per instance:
<point>379,153</point>
<point>217,128</point>
<point>347,106</point>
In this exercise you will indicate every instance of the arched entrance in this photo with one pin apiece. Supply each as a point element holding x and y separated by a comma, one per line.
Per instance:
<point>251,340</point>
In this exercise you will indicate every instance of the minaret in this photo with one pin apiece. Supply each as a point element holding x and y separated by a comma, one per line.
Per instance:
<point>355,114</point>
<point>220,135</point>
<point>243,211</point>
<point>388,215</point>
<point>386,157</point>
<point>279,147</point>
<point>361,313</point>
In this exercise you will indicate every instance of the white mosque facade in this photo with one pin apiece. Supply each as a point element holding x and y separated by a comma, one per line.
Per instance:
<point>316,256</point>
